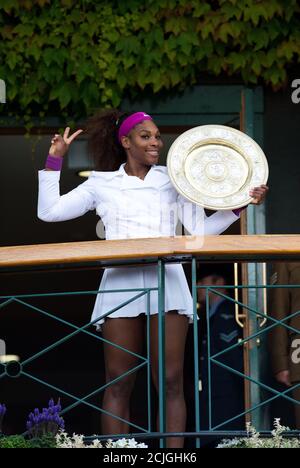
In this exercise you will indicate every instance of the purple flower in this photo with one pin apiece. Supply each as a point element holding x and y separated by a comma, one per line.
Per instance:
<point>2,414</point>
<point>58,407</point>
<point>29,425</point>
<point>48,421</point>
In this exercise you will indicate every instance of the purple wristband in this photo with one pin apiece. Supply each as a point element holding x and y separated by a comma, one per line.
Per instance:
<point>54,162</point>
<point>238,211</point>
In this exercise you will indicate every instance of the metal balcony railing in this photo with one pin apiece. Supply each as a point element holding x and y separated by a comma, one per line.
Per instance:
<point>159,251</point>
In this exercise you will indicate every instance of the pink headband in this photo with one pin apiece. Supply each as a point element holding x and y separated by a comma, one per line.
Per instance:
<point>131,122</point>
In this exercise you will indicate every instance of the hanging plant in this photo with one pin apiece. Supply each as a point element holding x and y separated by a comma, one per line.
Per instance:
<point>68,57</point>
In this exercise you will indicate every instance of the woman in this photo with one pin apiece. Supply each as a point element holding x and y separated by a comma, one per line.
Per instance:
<point>134,197</point>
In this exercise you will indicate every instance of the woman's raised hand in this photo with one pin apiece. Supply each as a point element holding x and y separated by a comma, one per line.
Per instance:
<point>60,144</point>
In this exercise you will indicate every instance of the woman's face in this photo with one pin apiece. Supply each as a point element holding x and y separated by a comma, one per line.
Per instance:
<point>143,144</point>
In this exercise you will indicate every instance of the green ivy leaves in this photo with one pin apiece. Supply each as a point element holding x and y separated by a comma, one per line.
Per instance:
<point>78,55</point>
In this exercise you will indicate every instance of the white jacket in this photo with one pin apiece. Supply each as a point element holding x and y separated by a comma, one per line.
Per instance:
<point>128,206</point>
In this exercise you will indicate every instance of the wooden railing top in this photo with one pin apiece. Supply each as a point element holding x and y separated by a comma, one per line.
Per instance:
<point>221,246</point>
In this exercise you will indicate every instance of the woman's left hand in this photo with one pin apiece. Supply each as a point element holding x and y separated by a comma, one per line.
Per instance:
<point>258,194</point>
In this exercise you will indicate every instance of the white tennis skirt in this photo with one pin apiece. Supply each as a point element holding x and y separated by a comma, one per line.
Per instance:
<point>177,293</point>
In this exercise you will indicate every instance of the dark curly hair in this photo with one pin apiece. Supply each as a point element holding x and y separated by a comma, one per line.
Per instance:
<point>103,145</point>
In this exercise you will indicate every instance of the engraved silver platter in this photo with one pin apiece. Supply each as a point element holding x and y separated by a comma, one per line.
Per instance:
<point>216,166</point>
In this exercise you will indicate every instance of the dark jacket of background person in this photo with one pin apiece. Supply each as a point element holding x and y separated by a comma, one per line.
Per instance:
<point>227,388</point>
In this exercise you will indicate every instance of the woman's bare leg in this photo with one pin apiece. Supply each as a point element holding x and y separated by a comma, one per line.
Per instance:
<point>128,333</point>
<point>176,331</point>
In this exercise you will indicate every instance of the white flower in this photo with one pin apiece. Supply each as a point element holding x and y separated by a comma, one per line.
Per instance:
<point>109,443</point>
<point>132,443</point>
<point>96,444</point>
<point>77,441</point>
<point>254,441</point>
<point>121,443</point>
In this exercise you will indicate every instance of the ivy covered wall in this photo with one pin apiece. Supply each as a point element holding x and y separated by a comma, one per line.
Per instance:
<point>68,57</point>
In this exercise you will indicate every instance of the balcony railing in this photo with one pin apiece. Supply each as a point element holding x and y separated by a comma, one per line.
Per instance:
<point>159,251</point>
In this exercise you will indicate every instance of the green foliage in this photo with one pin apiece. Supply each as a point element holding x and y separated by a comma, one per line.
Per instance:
<point>16,441</point>
<point>46,441</point>
<point>279,439</point>
<point>68,57</point>
<point>13,442</point>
